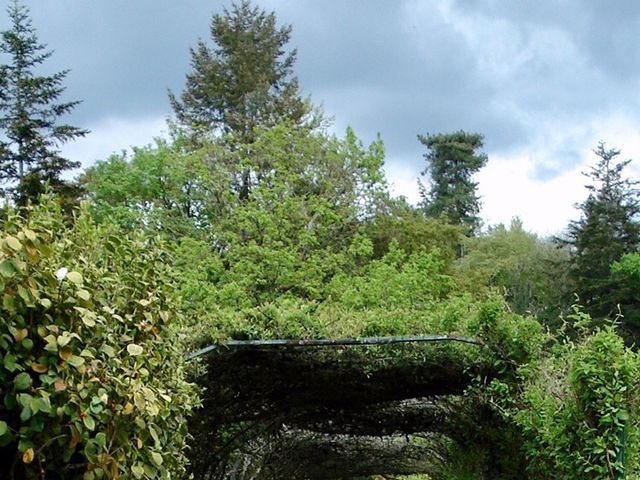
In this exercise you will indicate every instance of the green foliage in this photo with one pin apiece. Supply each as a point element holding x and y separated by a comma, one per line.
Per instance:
<point>579,410</point>
<point>165,188</point>
<point>396,220</point>
<point>531,272</point>
<point>300,224</point>
<point>29,113</point>
<point>626,276</point>
<point>451,162</point>
<point>92,377</point>
<point>606,231</point>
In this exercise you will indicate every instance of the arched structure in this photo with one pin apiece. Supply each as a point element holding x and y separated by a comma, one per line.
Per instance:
<point>333,409</point>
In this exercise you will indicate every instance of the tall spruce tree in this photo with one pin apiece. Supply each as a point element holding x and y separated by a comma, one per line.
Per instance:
<point>30,134</point>
<point>246,80</point>
<point>607,229</point>
<point>452,160</point>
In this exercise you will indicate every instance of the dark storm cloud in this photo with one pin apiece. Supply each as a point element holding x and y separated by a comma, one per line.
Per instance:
<point>123,55</point>
<point>380,70</point>
<point>521,73</point>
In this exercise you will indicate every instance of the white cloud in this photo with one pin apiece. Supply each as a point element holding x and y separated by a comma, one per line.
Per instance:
<point>509,186</point>
<point>403,181</point>
<point>113,135</point>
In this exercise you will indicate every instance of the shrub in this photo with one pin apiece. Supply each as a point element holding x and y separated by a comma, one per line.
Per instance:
<point>92,377</point>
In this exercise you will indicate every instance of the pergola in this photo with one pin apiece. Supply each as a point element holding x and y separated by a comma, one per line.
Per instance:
<point>339,408</point>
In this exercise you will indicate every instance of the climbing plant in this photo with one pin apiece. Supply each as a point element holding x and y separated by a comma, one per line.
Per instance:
<point>579,408</point>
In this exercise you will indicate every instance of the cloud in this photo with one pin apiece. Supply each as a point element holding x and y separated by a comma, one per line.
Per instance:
<point>114,135</point>
<point>543,81</point>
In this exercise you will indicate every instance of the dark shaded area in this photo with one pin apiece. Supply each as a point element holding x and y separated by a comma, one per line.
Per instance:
<point>335,413</point>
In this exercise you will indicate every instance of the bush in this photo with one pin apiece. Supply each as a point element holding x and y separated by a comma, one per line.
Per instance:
<point>92,376</point>
<point>580,410</point>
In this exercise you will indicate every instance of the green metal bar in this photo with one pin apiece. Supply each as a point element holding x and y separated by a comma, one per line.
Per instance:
<point>324,342</point>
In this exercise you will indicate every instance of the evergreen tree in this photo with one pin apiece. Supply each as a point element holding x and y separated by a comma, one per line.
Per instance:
<point>29,113</point>
<point>451,162</point>
<point>243,82</point>
<point>607,230</point>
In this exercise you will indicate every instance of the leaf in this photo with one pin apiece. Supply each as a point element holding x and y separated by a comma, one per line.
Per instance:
<point>30,234</point>
<point>14,243</point>
<point>152,409</point>
<point>137,470</point>
<point>39,368</point>
<point>88,318</point>
<point>21,334</point>
<point>134,349</point>
<point>7,269</point>
<point>76,361</point>
<point>25,295</point>
<point>108,349</point>
<point>65,353</point>
<point>75,278</point>
<point>89,422</point>
<point>128,408</point>
<point>4,428</point>
<point>28,456</point>
<point>9,362</point>
<point>83,295</point>
<point>75,437</point>
<point>101,439</point>
<point>22,381</point>
<point>45,302</point>
<point>59,385</point>
<point>157,458</point>
<point>25,414</point>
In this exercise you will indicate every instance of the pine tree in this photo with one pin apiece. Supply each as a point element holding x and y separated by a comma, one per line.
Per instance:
<point>29,112</point>
<point>607,229</point>
<point>243,82</point>
<point>451,162</point>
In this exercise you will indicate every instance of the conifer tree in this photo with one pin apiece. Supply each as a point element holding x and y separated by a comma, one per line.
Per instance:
<point>30,132</point>
<point>452,160</point>
<point>246,80</point>
<point>607,229</point>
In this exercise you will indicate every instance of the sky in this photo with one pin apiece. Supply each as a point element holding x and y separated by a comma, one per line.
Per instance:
<point>543,81</point>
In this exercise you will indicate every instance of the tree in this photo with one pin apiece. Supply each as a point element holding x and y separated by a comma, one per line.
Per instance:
<point>451,162</point>
<point>168,187</point>
<point>607,230</point>
<point>245,81</point>
<point>530,271</point>
<point>29,113</point>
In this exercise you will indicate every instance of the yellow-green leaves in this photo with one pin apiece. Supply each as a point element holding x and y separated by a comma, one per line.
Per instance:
<point>28,456</point>
<point>13,243</point>
<point>75,278</point>
<point>73,349</point>
<point>134,349</point>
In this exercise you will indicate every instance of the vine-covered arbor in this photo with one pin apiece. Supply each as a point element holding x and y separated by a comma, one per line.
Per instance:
<point>339,409</point>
